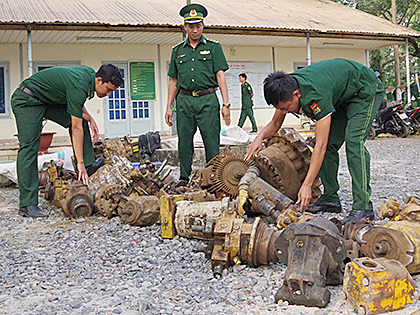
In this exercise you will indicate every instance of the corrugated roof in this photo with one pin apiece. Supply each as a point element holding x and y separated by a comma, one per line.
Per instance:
<point>315,16</point>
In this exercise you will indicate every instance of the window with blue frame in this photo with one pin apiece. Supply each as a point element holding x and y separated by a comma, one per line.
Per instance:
<point>140,109</point>
<point>116,103</point>
<point>4,89</point>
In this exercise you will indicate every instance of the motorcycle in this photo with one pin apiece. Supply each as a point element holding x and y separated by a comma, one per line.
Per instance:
<point>391,120</point>
<point>414,117</point>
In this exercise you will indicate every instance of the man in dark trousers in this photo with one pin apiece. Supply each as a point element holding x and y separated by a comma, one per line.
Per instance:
<point>246,96</point>
<point>57,94</point>
<point>196,70</point>
<point>343,97</point>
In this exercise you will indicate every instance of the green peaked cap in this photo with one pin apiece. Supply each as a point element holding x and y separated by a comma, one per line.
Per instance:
<point>193,13</point>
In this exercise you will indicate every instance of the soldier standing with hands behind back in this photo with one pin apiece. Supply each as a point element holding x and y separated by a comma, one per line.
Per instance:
<point>196,69</point>
<point>247,94</point>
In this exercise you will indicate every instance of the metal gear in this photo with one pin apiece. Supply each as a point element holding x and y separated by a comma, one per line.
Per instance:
<point>284,163</point>
<point>107,199</point>
<point>223,173</point>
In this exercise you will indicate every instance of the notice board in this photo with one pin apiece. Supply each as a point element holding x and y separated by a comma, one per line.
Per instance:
<point>256,72</point>
<point>142,81</point>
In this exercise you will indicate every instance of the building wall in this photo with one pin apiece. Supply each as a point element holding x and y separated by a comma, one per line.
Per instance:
<point>94,55</point>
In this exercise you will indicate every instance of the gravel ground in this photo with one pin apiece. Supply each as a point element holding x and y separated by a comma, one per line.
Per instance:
<point>101,266</point>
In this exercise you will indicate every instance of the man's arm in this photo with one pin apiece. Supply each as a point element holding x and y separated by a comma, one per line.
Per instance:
<point>172,90</point>
<point>272,127</point>
<point>77,139</point>
<point>221,82</point>
<point>322,131</point>
<point>92,123</point>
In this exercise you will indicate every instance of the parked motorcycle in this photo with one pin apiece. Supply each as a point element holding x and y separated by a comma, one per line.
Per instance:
<point>414,117</point>
<point>391,120</point>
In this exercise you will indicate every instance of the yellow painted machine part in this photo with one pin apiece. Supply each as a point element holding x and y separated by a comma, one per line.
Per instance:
<point>243,197</point>
<point>167,215</point>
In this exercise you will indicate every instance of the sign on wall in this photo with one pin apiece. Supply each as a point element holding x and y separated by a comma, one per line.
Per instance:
<point>256,73</point>
<point>142,81</point>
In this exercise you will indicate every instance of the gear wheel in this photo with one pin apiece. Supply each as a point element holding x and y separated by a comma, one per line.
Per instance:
<point>223,173</point>
<point>107,199</point>
<point>284,163</point>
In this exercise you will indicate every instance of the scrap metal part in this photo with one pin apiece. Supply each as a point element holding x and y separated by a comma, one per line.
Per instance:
<point>395,240</point>
<point>77,201</point>
<point>140,211</point>
<point>389,209</point>
<point>113,147</point>
<point>284,163</point>
<point>107,199</point>
<point>378,285</point>
<point>314,252</point>
<point>55,191</point>
<point>223,172</point>
<point>167,215</point>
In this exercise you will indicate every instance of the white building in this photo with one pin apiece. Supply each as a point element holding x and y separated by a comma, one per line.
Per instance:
<point>258,36</point>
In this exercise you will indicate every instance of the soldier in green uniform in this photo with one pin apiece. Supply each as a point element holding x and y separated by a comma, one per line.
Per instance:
<point>196,71</point>
<point>57,94</point>
<point>343,97</point>
<point>247,94</point>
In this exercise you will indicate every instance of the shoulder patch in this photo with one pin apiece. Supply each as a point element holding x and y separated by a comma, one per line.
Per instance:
<point>177,44</point>
<point>212,40</point>
<point>315,108</point>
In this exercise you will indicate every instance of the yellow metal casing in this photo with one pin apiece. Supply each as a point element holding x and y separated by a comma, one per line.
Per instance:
<point>243,197</point>
<point>167,215</point>
<point>378,285</point>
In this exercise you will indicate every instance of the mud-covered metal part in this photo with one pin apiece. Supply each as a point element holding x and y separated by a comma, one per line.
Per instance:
<point>113,147</point>
<point>389,209</point>
<point>190,215</point>
<point>167,215</point>
<point>284,163</point>
<point>237,242</point>
<point>56,191</point>
<point>290,216</point>
<point>107,199</point>
<point>314,252</point>
<point>140,211</point>
<point>409,211</point>
<point>223,172</point>
<point>380,285</point>
<point>78,200</point>
<point>117,171</point>
<point>395,240</point>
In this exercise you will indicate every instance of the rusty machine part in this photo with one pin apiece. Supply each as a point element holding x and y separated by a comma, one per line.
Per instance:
<point>223,172</point>
<point>107,199</point>
<point>389,209</point>
<point>264,197</point>
<point>77,201</point>
<point>116,172</point>
<point>196,219</point>
<point>374,286</point>
<point>290,216</point>
<point>113,147</point>
<point>395,240</point>
<point>55,191</point>
<point>314,252</point>
<point>167,215</point>
<point>140,211</point>
<point>284,163</point>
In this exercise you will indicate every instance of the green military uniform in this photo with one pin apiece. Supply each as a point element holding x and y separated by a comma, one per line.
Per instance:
<point>416,93</point>
<point>58,93</point>
<point>351,94</point>
<point>246,111</point>
<point>195,69</point>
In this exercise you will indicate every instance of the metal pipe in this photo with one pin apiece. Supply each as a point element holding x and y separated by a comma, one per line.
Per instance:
<point>308,49</point>
<point>29,39</point>
<point>162,107</point>
<point>21,61</point>
<point>407,66</point>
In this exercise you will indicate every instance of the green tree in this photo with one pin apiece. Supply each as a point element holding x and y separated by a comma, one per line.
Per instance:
<point>382,60</point>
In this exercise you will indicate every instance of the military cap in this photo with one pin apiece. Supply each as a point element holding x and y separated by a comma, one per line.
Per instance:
<point>193,13</point>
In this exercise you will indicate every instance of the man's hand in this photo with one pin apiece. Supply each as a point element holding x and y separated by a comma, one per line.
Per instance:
<point>253,149</point>
<point>226,115</point>
<point>83,175</point>
<point>95,130</point>
<point>168,117</point>
<point>304,196</point>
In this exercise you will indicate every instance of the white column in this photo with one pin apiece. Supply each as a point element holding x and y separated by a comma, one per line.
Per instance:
<point>308,49</point>
<point>29,36</point>
<point>407,66</point>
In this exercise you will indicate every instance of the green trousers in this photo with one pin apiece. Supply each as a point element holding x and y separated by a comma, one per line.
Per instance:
<point>247,112</point>
<point>192,112</point>
<point>29,113</point>
<point>351,123</point>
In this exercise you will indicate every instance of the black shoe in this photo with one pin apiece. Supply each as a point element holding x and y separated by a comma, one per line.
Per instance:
<point>357,215</point>
<point>254,131</point>
<point>323,206</point>
<point>32,211</point>
<point>91,169</point>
